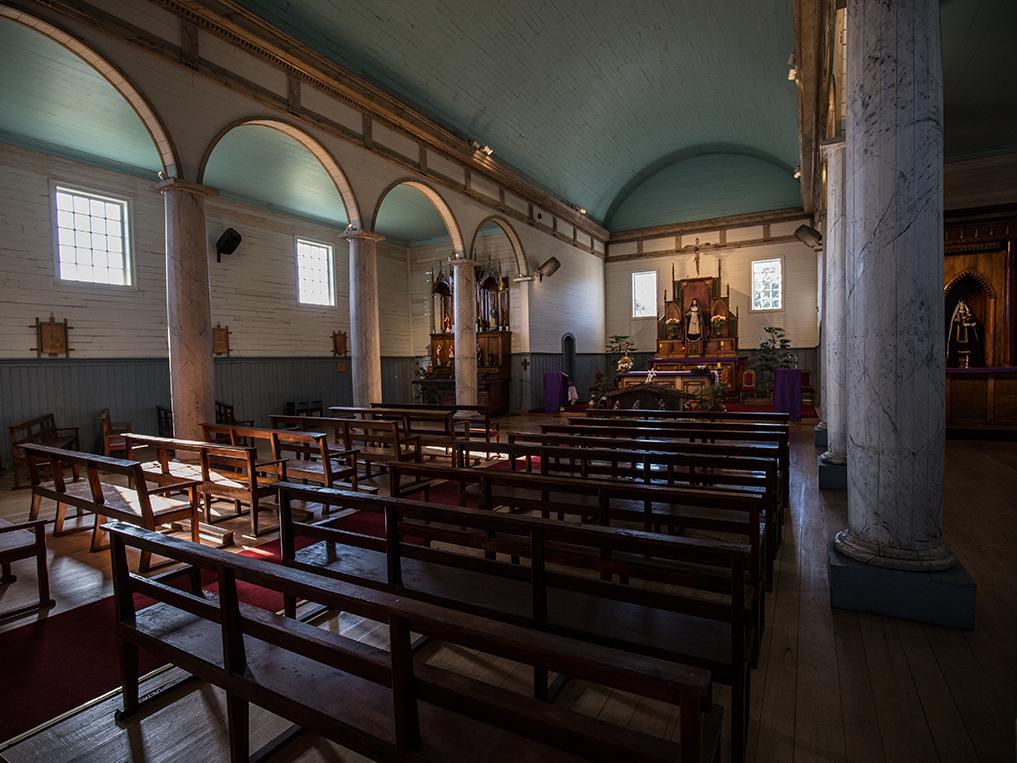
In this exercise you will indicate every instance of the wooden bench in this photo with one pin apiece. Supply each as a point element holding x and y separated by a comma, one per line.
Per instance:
<point>331,467</point>
<point>380,703</point>
<point>164,421</point>
<point>655,508</point>
<point>769,417</point>
<point>467,419</point>
<point>433,426</point>
<point>380,442</point>
<point>41,430</point>
<point>226,472</point>
<point>543,579</point>
<point>24,541</point>
<point>133,502</point>
<point>758,475</point>
<point>701,432</point>
<point>112,433</point>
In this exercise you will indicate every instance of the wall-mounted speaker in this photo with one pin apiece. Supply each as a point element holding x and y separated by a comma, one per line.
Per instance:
<point>227,243</point>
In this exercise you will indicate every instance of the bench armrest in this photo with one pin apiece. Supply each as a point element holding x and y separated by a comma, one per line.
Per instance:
<point>344,452</point>
<point>182,485</point>
<point>273,462</point>
<point>30,525</point>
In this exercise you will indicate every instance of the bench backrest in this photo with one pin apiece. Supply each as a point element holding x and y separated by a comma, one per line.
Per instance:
<point>279,440</point>
<point>211,455</point>
<point>651,413</point>
<point>59,461</point>
<point>39,429</point>
<point>224,413</point>
<point>414,420</point>
<point>687,687</point>
<point>164,419</point>
<point>680,424</point>
<point>373,433</point>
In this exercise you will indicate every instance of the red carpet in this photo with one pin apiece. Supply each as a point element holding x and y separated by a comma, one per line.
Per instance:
<point>808,411</point>
<point>70,658</point>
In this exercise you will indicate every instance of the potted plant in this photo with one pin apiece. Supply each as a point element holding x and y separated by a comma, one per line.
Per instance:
<point>710,398</point>
<point>621,345</point>
<point>774,352</point>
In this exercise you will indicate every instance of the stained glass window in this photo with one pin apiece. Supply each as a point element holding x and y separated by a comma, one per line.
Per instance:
<point>767,286</point>
<point>644,294</point>
<point>92,238</point>
<point>315,277</point>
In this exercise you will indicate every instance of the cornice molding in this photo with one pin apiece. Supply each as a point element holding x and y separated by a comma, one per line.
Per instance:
<point>710,224</point>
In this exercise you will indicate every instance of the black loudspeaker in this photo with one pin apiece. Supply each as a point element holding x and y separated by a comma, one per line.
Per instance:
<point>227,243</point>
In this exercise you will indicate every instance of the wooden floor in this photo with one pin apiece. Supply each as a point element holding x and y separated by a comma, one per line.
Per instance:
<point>831,685</point>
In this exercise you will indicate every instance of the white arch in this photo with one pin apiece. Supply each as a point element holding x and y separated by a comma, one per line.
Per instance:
<point>327,161</point>
<point>440,205</point>
<point>517,246</point>
<point>116,78</point>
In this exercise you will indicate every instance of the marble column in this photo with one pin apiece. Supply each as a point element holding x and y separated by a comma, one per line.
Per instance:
<point>465,327</point>
<point>365,325</point>
<point>188,307</point>
<point>834,310</point>
<point>895,343</point>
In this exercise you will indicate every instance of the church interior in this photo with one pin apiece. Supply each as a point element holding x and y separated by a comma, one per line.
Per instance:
<point>530,381</point>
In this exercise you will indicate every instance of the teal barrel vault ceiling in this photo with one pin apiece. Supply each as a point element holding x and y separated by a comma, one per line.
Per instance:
<point>53,101</point>
<point>259,164</point>
<point>578,96</point>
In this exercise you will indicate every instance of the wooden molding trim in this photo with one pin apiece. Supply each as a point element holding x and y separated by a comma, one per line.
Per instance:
<point>710,224</point>
<point>641,255</point>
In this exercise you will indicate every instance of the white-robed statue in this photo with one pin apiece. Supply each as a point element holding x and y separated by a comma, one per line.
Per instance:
<point>694,322</point>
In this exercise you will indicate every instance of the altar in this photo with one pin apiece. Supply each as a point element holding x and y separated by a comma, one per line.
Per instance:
<point>698,332</point>
<point>691,381</point>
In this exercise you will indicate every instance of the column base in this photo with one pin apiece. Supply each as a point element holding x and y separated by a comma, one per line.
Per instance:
<point>832,472</point>
<point>821,438</point>
<point>945,597</point>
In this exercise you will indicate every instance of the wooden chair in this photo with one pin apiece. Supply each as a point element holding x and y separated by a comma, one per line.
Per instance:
<point>224,414</point>
<point>748,384</point>
<point>112,433</point>
<point>23,541</point>
<point>41,430</point>
<point>808,391</point>
<point>382,703</point>
<point>138,504</point>
<point>164,417</point>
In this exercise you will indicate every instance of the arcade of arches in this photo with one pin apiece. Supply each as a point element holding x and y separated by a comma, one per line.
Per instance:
<point>561,383</point>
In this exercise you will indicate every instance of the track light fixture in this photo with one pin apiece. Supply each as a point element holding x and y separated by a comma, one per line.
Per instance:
<point>792,68</point>
<point>797,173</point>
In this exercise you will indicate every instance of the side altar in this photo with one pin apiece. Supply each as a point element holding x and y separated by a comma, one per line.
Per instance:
<point>697,333</point>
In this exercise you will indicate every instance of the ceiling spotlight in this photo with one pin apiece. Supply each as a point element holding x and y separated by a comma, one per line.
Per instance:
<point>487,150</point>
<point>808,236</point>
<point>797,173</point>
<point>582,211</point>
<point>792,68</point>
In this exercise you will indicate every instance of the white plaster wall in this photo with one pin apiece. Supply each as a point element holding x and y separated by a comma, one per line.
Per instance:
<point>253,291</point>
<point>799,316</point>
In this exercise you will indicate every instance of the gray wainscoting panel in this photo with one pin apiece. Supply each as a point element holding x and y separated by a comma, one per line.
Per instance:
<point>75,391</point>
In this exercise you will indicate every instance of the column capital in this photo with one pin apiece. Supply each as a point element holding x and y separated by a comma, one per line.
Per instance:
<point>176,185</point>
<point>832,145</point>
<point>453,260</point>
<point>361,235</point>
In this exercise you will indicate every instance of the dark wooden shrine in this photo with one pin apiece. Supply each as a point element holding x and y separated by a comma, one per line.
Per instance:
<point>494,341</point>
<point>980,271</point>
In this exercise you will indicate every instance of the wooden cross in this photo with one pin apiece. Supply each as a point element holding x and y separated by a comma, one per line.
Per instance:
<point>525,363</point>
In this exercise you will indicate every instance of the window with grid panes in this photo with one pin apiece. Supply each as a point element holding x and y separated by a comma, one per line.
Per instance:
<point>315,277</point>
<point>92,238</point>
<point>767,285</point>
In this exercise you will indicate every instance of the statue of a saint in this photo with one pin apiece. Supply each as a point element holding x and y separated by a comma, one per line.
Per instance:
<point>964,348</point>
<point>694,320</point>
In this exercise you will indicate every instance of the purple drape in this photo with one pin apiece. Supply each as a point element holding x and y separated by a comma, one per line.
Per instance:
<point>554,391</point>
<point>787,392</point>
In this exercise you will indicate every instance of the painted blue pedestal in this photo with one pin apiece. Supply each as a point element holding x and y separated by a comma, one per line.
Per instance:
<point>821,437</point>
<point>939,598</point>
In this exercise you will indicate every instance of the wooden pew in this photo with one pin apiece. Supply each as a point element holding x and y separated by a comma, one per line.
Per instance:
<point>467,418</point>
<point>24,540</point>
<point>436,426</point>
<point>137,504</point>
<point>680,430</point>
<point>769,417</point>
<point>42,430</point>
<point>634,605</point>
<point>656,508</point>
<point>322,463</point>
<point>112,433</point>
<point>760,475</point>
<point>380,442</point>
<point>384,704</point>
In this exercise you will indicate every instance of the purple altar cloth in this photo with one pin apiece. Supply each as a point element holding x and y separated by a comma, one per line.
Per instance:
<point>787,392</point>
<point>554,391</point>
